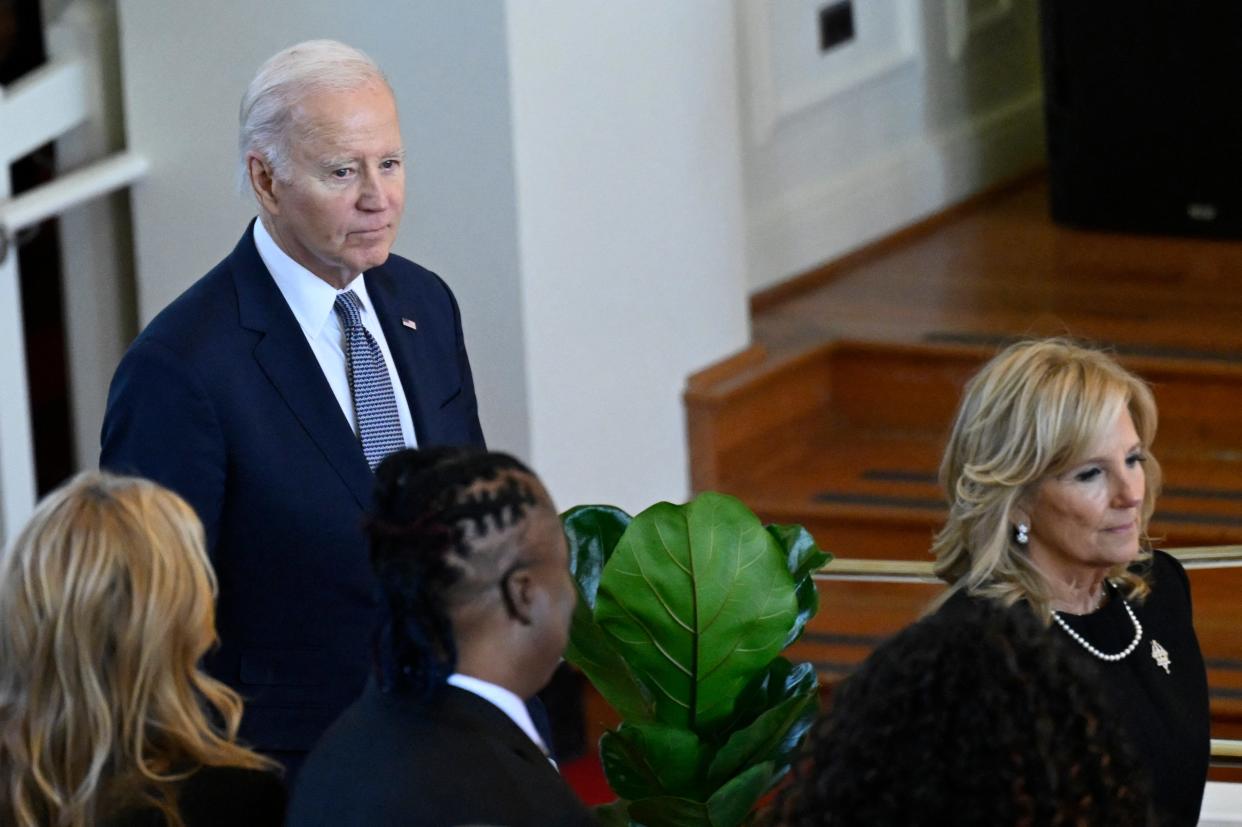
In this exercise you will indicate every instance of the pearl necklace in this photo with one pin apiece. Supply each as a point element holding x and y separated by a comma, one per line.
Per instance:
<point>1138,635</point>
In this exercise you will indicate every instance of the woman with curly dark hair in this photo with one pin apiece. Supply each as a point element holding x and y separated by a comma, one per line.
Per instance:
<point>977,719</point>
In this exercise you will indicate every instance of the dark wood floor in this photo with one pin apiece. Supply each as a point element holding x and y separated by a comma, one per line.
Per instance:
<point>837,416</point>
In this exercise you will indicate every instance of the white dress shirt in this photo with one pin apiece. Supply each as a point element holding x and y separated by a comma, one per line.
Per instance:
<point>312,301</point>
<point>506,701</point>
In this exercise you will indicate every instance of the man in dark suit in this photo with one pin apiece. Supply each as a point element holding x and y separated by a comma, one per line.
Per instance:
<point>474,568</point>
<point>267,392</point>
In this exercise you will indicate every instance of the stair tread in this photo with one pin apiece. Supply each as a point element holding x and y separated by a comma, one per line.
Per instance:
<point>865,471</point>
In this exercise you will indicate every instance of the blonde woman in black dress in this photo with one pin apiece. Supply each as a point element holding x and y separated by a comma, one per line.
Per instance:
<point>1051,483</point>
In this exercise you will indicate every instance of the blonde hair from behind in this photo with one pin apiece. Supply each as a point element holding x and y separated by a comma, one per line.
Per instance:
<point>1032,412</point>
<point>106,607</point>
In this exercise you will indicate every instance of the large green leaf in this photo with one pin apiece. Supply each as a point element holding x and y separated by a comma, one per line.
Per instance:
<point>802,555</point>
<point>778,683</point>
<point>591,650</point>
<point>729,806</point>
<point>803,558</point>
<point>593,532</point>
<point>697,599</point>
<point>773,737</point>
<point>648,760</point>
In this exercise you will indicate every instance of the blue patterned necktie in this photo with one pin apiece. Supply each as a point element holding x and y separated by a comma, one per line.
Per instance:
<point>375,405</point>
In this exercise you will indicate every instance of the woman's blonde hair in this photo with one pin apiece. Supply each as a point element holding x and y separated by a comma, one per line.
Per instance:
<point>1033,411</point>
<point>106,607</point>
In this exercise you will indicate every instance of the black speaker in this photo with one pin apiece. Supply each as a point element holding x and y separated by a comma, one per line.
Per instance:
<point>1143,104</point>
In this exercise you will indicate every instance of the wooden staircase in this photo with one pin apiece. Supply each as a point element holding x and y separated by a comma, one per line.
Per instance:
<point>837,416</point>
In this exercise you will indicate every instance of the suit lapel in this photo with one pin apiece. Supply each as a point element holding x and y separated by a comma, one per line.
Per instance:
<point>485,719</point>
<point>405,344</point>
<point>290,365</point>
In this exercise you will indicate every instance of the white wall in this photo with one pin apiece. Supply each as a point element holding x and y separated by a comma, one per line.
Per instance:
<point>185,66</point>
<point>632,232</point>
<point>933,101</point>
<point>1222,805</point>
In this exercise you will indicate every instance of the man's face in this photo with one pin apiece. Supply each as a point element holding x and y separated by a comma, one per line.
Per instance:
<point>338,211</point>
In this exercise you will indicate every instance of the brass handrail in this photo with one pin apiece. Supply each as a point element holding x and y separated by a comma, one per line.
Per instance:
<point>877,571</point>
<point>920,571</point>
<point>1226,753</point>
<point>1209,557</point>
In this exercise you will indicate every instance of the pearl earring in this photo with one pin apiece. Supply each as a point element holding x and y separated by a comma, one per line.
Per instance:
<point>1023,534</point>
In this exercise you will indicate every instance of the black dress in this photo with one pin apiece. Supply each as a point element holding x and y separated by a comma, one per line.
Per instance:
<point>1164,712</point>
<point>217,796</point>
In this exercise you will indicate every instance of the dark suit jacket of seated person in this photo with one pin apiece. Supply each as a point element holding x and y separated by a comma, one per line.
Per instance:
<point>473,563</point>
<point>106,607</point>
<point>237,395</point>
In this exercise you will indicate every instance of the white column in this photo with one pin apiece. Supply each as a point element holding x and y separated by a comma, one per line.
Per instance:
<point>631,233</point>
<point>40,106</point>
<point>96,247</point>
<point>1222,805</point>
<point>17,479</point>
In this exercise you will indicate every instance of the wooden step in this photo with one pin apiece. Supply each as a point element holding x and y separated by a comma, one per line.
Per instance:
<point>771,413</point>
<point>872,495</point>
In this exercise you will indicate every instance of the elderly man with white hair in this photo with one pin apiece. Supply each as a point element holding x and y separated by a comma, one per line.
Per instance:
<point>268,392</point>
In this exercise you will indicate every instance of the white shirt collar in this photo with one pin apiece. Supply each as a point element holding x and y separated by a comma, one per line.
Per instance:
<point>309,297</point>
<point>508,703</point>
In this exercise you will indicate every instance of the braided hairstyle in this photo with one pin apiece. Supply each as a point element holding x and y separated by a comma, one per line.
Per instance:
<point>443,529</point>
<point>979,719</point>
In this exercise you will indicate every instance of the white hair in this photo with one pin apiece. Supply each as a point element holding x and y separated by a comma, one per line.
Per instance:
<point>266,113</point>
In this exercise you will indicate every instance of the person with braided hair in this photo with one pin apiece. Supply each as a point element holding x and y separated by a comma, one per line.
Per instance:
<point>473,567</point>
<point>978,719</point>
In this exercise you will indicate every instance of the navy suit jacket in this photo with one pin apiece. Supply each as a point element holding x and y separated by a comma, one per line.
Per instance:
<point>222,400</point>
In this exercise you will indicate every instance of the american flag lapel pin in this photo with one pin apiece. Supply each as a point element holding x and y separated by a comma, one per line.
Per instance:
<point>410,323</point>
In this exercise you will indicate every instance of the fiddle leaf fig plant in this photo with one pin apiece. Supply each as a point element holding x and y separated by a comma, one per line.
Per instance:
<point>683,611</point>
